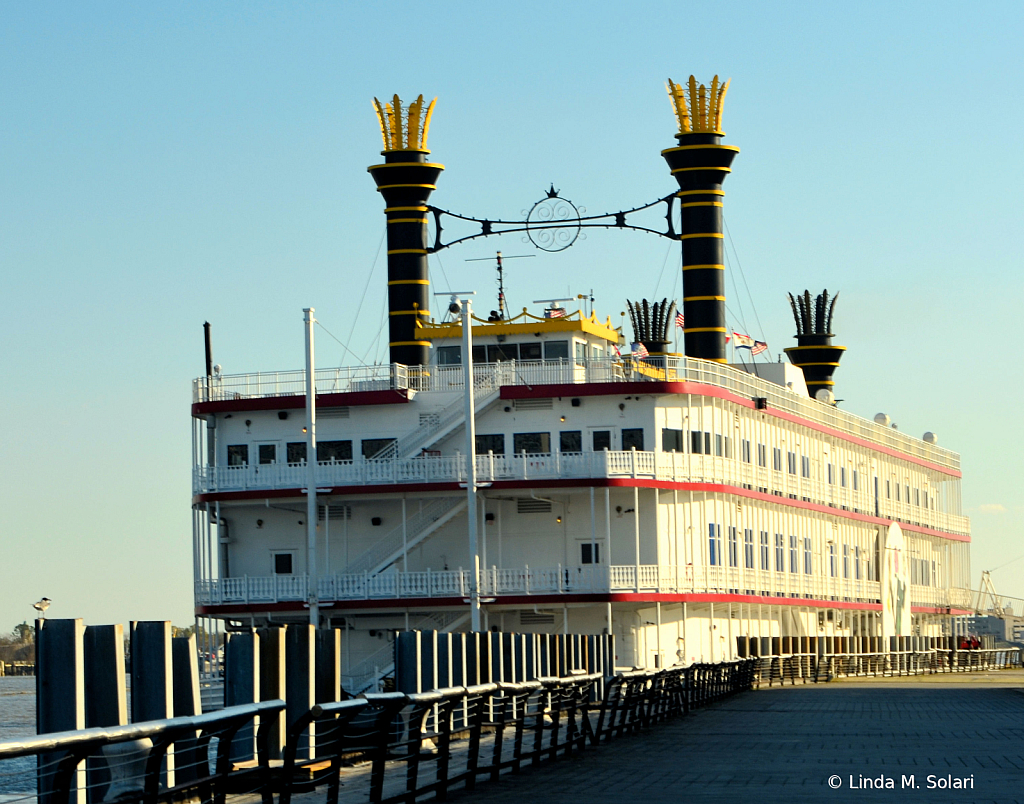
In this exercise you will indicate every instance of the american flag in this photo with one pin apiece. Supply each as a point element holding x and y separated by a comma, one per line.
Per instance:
<point>679,320</point>
<point>640,351</point>
<point>759,346</point>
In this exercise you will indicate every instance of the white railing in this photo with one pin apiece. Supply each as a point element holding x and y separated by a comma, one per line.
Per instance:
<point>567,580</point>
<point>600,370</point>
<point>670,466</point>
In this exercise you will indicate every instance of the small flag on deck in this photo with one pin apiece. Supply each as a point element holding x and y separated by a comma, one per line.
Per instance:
<point>759,346</point>
<point>640,351</point>
<point>743,341</point>
<point>680,320</point>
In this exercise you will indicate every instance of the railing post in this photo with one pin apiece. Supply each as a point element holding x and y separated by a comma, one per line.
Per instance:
<point>526,578</point>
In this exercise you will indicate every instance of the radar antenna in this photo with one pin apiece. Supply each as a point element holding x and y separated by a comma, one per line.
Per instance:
<point>501,280</point>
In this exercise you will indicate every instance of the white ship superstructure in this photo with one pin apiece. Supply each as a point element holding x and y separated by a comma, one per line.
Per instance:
<point>691,507</point>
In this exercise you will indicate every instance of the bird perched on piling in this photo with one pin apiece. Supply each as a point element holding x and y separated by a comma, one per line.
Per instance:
<point>42,605</point>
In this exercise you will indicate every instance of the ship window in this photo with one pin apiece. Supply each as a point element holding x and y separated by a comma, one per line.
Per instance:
<point>696,442</point>
<point>734,551</point>
<point>855,483</point>
<point>748,548</point>
<point>718,445</point>
<point>805,466</point>
<point>793,557</point>
<point>780,553</point>
<point>556,350</point>
<point>449,355</point>
<point>831,475</point>
<point>888,490</point>
<point>728,447</point>
<point>283,564</point>
<point>671,440</point>
<point>479,354</point>
<point>832,560</point>
<point>714,544</point>
<point>502,351</point>
<point>762,455</point>
<point>490,443</point>
<point>807,555</point>
<point>745,450</point>
<point>917,497</point>
<point>296,451</point>
<point>602,440</point>
<point>532,443</point>
<point>906,496</point>
<point>530,351</point>
<point>238,454</point>
<point>776,459</point>
<point>268,453</point>
<point>581,352</point>
<point>372,447</point>
<point>328,451</point>
<point>856,562</point>
<point>590,553</point>
<point>765,565</point>
<point>897,492</point>
<point>632,437</point>
<point>791,462</point>
<point>846,561</point>
<point>842,476</point>
<point>570,441</point>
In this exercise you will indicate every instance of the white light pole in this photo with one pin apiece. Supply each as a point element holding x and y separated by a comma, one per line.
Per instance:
<point>465,307</point>
<point>311,513</point>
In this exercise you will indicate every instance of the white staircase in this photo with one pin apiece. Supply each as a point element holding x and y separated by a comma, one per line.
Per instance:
<point>418,527</point>
<point>437,426</point>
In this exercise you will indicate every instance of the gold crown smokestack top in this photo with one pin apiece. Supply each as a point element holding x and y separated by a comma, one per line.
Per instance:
<point>700,164</point>
<point>405,180</point>
<point>814,352</point>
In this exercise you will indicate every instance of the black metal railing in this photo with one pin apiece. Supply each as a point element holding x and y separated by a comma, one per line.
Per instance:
<point>398,747</point>
<point>810,668</point>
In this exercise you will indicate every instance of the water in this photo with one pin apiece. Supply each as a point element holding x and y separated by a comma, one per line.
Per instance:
<point>17,720</point>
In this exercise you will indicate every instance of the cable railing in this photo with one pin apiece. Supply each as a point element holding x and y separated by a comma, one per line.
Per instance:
<point>384,747</point>
<point>679,467</point>
<point>562,372</point>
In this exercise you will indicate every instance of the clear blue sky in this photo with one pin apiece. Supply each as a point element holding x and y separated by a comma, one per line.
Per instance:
<point>169,164</point>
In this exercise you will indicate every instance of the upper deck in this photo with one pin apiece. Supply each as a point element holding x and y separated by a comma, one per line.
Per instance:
<point>580,377</point>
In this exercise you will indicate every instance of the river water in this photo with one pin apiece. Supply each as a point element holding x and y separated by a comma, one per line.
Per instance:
<point>17,720</point>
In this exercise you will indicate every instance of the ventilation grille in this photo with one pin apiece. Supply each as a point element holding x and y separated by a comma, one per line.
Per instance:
<point>336,511</point>
<point>332,413</point>
<point>534,404</point>
<point>536,618</point>
<point>528,505</point>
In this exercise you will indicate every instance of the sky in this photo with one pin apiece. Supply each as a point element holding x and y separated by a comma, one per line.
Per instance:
<point>169,164</point>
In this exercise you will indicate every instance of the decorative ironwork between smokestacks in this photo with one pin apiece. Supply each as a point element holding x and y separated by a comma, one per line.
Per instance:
<point>700,164</point>
<point>405,180</point>
<point>814,352</point>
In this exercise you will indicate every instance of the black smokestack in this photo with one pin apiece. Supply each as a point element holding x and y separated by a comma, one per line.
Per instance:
<point>405,180</point>
<point>814,352</point>
<point>700,164</point>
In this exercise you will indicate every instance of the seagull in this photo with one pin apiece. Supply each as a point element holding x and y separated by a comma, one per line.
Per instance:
<point>42,605</point>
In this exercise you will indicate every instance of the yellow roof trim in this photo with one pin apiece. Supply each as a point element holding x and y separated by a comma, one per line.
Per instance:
<point>523,324</point>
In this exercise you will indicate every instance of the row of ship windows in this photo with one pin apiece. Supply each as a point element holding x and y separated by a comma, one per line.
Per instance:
<point>530,443</point>
<point>535,350</point>
<point>703,443</point>
<point>850,562</point>
<point>700,443</point>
